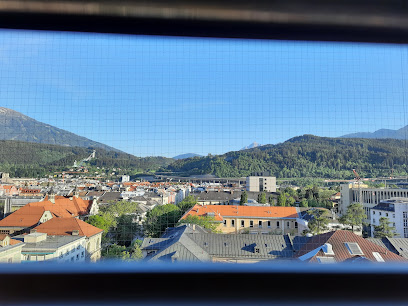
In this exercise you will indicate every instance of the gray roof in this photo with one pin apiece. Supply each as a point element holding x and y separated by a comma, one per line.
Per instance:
<point>51,244</point>
<point>187,244</point>
<point>398,246</point>
<point>227,196</point>
<point>110,196</point>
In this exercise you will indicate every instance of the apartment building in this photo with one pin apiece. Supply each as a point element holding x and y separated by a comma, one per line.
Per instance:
<point>370,197</point>
<point>261,183</point>
<point>233,219</point>
<point>396,210</point>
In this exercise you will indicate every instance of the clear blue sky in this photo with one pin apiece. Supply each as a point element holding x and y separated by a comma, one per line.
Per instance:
<point>167,96</point>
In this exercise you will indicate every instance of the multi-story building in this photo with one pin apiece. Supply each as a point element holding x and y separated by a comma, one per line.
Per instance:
<point>41,247</point>
<point>10,249</point>
<point>233,219</point>
<point>370,197</point>
<point>396,210</point>
<point>261,183</point>
<point>74,226</point>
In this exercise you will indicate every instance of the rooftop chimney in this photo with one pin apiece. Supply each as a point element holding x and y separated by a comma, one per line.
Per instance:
<point>75,233</point>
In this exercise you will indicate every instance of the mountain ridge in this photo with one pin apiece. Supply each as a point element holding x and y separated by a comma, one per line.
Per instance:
<point>401,133</point>
<point>17,126</point>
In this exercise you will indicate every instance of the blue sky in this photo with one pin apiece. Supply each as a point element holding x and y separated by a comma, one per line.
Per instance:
<point>167,96</point>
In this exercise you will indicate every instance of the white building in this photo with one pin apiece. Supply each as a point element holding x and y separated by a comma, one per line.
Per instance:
<point>181,194</point>
<point>396,210</point>
<point>350,193</point>
<point>125,178</point>
<point>41,247</point>
<point>261,183</point>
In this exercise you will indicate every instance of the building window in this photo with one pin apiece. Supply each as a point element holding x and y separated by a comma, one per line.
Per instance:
<point>405,232</point>
<point>225,223</point>
<point>242,223</point>
<point>82,254</point>
<point>269,224</point>
<point>251,223</point>
<point>393,215</point>
<point>232,222</point>
<point>404,215</point>
<point>277,224</point>
<point>260,224</point>
<point>373,212</point>
<point>380,213</point>
<point>386,214</point>
<point>405,222</point>
<point>296,225</point>
<point>288,224</point>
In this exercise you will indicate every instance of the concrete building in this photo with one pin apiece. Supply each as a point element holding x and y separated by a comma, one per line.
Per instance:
<point>10,249</point>
<point>396,210</point>
<point>41,247</point>
<point>75,227</point>
<point>232,219</point>
<point>261,183</point>
<point>350,193</point>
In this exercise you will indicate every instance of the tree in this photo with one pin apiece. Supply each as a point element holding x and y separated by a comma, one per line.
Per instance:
<point>290,201</point>
<point>187,203</point>
<point>244,198</point>
<point>100,222</point>
<point>135,251</point>
<point>384,229</point>
<point>271,200</point>
<point>282,199</point>
<point>205,222</point>
<point>354,216</point>
<point>126,230</point>
<point>115,251</point>
<point>319,221</point>
<point>262,198</point>
<point>160,218</point>
<point>304,203</point>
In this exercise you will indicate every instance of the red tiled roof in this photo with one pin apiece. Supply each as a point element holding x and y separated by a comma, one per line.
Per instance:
<point>242,211</point>
<point>65,226</point>
<point>338,239</point>
<point>30,214</point>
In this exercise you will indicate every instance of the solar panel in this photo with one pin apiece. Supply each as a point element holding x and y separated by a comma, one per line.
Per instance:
<point>354,248</point>
<point>325,260</point>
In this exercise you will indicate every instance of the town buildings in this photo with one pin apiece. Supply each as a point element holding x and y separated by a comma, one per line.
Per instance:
<point>235,219</point>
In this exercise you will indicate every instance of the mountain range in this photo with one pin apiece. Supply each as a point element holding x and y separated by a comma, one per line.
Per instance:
<point>16,126</point>
<point>251,146</point>
<point>401,133</point>
<point>186,155</point>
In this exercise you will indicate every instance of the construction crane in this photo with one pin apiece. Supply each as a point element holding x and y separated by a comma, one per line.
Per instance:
<point>360,192</point>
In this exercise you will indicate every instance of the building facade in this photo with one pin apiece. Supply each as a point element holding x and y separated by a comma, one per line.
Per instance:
<point>396,210</point>
<point>261,183</point>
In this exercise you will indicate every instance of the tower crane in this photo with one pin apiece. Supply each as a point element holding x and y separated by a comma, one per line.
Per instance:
<point>360,192</point>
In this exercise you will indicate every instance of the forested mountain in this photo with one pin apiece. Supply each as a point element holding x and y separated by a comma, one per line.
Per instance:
<point>23,159</point>
<point>401,133</point>
<point>16,126</point>
<point>306,156</point>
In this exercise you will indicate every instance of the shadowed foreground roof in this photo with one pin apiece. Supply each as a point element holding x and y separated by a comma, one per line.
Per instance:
<point>341,253</point>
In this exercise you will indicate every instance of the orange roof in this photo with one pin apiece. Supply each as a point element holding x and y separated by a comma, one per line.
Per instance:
<point>30,214</point>
<point>221,211</point>
<point>3,236</point>
<point>65,226</point>
<point>26,216</point>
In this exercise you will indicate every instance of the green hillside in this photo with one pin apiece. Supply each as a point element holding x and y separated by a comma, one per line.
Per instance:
<point>306,156</point>
<point>24,159</point>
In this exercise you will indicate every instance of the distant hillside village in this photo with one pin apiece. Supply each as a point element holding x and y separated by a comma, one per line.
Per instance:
<point>71,219</point>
